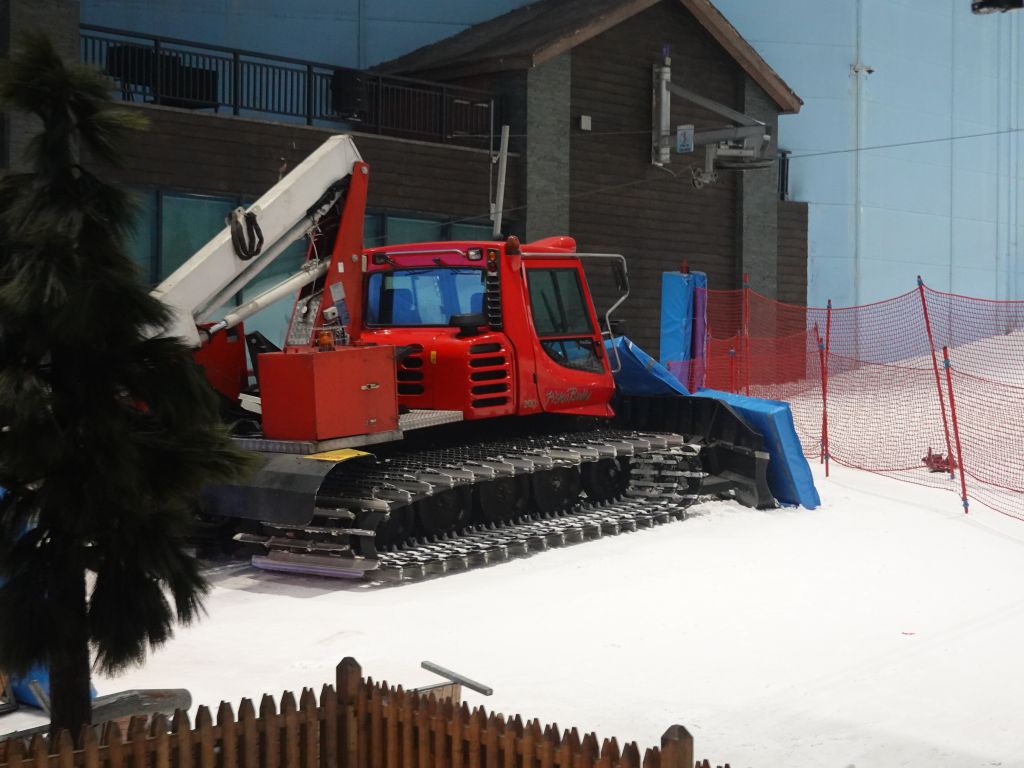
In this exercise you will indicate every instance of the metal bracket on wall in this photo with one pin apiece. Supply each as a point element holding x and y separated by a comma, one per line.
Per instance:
<point>742,146</point>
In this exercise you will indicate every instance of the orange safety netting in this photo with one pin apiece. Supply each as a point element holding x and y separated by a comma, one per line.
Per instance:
<point>870,387</point>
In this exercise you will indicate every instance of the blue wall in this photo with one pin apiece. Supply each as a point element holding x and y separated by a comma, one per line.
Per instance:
<point>948,210</point>
<point>352,33</point>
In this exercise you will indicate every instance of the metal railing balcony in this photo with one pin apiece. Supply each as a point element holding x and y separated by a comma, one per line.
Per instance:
<point>179,73</point>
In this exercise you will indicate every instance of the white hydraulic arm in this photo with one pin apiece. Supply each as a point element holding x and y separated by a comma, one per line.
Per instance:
<point>291,209</point>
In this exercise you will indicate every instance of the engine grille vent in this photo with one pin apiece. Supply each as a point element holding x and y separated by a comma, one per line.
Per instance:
<point>490,364</point>
<point>410,374</point>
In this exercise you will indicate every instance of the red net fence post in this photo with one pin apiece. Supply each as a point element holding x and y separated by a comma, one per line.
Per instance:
<point>935,365</point>
<point>956,431</point>
<point>823,364</point>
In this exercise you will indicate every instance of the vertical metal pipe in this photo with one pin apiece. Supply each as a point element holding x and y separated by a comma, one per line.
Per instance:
<point>380,103</point>
<point>952,144</point>
<point>444,114</point>
<point>858,235</point>
<point>157,72</point>
<point>309,94</point>
<point>499,195</point>
<point>490,154</point>
<point>824,389</point>
<point>361,35</point>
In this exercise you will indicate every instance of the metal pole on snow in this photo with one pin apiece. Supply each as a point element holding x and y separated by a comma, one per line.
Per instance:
<point>956,431</point>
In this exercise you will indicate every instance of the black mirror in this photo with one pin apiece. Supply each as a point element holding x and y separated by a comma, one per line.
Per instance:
<point>619,272</point>
<point>469,323</point>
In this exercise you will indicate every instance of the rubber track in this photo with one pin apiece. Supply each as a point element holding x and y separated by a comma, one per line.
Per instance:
<point>653,497</point>
<point>482,547</point>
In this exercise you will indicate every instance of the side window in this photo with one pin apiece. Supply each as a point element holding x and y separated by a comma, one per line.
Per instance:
<point>557,303</point>
<point>562,319</point>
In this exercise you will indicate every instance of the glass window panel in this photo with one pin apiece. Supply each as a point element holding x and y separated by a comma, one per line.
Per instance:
<point>404,230</point>
<point>188,224</point>
<point>472,232</point>
<point>580,354</point>
<point>142,237</point>
<point>373,230</point>
<point>557,302</point>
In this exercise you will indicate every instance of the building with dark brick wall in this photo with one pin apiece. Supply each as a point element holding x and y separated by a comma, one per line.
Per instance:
<point>572,78</point>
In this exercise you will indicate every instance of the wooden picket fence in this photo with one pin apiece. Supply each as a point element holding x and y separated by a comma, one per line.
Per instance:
<point>357,724</point>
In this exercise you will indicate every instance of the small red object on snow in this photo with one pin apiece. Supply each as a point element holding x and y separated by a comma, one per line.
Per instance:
<point>936,462</point>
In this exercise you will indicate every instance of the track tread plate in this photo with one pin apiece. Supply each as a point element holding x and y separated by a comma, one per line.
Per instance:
<point>657,495</point>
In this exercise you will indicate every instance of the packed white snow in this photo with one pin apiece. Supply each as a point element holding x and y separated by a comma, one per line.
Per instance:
<point>882,629</point>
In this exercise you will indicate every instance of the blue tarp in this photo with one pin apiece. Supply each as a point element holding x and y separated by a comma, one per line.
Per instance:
<point>38,673</point>
<point>682,324</point>
<point>641,374</point>
<point>789,475</point>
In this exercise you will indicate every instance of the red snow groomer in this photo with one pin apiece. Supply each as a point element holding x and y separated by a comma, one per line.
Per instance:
<point>477,373</point>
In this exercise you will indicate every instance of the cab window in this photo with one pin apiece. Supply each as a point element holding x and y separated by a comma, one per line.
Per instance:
<point>562,319</point>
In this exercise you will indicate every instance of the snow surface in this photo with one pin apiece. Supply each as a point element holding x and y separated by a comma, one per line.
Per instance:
<point>881,629</point>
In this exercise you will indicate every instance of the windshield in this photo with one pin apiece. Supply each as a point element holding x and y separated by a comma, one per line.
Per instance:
<point>423,296</point>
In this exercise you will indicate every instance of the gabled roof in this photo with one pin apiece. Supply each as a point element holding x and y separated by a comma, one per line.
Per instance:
<point>528,36</point>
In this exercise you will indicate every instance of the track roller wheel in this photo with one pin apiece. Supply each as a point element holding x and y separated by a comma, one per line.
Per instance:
<point>554,490</point>
<point>442,513</point>
<point>501,500</point>
<point>605,480</point>
<point>396,528</point>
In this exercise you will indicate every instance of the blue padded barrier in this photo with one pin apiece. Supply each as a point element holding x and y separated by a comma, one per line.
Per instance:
<point>789,475</point>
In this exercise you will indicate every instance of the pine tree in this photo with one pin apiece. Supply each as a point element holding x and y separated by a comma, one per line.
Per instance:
<point>107,433</point>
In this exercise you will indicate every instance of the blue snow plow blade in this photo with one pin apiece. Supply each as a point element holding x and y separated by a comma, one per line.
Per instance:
<point>743,427</point>
<point>641,374</point>
<point>789,475</point>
